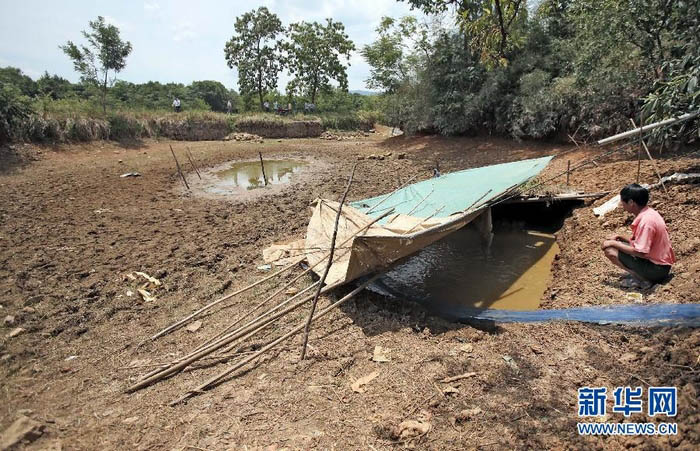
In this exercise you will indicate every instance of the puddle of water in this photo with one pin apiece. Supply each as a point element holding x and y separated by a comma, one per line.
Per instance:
<point>248,174</point>
<point>455,272</point>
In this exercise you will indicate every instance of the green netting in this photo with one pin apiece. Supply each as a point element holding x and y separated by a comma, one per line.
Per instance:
<point>455,191</point>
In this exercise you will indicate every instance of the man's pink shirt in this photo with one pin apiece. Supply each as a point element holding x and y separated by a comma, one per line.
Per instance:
<point>650,237</point>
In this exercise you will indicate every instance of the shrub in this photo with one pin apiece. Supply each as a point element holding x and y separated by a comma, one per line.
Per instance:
<point>124,128</point>
<point>361,120</point>
<point>14,110</point>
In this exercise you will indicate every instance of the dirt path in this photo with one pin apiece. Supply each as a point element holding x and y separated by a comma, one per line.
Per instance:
<point>71,229</point>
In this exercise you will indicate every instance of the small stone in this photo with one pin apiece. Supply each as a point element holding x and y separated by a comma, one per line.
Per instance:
<point>468,348</point>
<point>130,420</point>
<point>194,327</point>
<point>468,414</point>
<point>9,320</point>
<point>29,310</point>
<point>14,332</point>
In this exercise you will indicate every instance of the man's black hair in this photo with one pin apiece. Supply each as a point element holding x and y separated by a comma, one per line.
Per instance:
<point>637,193</point>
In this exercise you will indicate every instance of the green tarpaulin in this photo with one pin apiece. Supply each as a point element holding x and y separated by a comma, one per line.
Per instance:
<point>454,192</point>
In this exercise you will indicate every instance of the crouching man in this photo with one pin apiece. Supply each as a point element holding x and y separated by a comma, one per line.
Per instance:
<point>647,255</point>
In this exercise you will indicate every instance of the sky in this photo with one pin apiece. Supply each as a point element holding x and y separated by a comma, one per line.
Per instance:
<point>173,41</point>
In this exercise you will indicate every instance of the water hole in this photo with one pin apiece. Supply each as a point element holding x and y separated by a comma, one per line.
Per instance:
<point>458,273</point>
<point>248,175</point>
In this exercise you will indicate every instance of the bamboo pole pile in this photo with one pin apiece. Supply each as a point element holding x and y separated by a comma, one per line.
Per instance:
<point>226,344</point>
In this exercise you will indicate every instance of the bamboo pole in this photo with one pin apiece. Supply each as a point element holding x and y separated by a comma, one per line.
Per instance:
<point>221,299</point>
<point>189,156</point>
<point>257,318</point>
<point>308,270</point>
<point>629,133</point>
<point>328,265</point>
<point>425,220</point>
<point>653,163</point>
<point>392,193</point>
<point>218,345</point>
<point>263,168</point>
<point>177,163</point>
<point>271,345</point>
<point>568,172</point>
<point>225,336</point>
<point>272,310</point>
<point>202,347</point>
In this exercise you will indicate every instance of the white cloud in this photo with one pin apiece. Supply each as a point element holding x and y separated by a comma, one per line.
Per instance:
<point>184,31</point>
<point>151,6</point>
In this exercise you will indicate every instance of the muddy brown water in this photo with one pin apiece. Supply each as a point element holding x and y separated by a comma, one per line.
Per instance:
<point>248,175</point>
<point>457,272</point>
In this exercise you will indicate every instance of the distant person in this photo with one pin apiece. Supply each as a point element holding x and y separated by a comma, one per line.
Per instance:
<point>275,107</point>
<point>229,107</point>
<point>647,255</point>
<point>176,105</point>
<point>266,106</point>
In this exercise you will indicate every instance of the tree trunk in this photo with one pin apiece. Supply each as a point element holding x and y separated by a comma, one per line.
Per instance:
<point>314,88</point>
<point>104,95</point>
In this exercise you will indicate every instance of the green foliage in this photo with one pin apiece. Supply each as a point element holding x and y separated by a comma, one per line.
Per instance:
<point>455,77</point>
<point>677,90</point>
<point>495,28</point>
<point>125,128</point>
<point>54,86</point>
<point>254,51</point>
<point>360,120</point>
<point>389,55</point>
<point>314,53</point>
<point>578,67</point>
<point>14,110</point>
<point>105,52</point>
<point>14,77</point>
<point>212,92</point>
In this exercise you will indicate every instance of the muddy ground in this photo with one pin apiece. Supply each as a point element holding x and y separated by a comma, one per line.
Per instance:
<point>71,230</point>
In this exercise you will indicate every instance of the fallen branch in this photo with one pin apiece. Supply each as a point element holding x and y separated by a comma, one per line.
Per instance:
<point>447,380</point>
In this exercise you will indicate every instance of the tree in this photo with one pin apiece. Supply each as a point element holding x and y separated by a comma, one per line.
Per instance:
<point>254,50</point>
<point>106,52</point>
<point>391,55</point>
<point>14,77</point>
<point>212,92</point>
<point>314,56</point>
<point>491,25</point>
<point>54,86</point>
